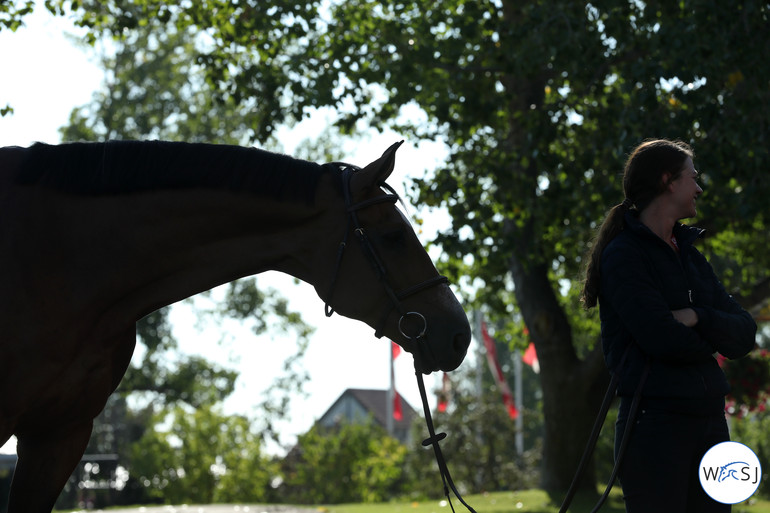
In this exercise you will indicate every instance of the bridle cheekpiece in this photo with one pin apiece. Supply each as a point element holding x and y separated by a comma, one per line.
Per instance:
<point>396,298</point>
<point>354,227</point>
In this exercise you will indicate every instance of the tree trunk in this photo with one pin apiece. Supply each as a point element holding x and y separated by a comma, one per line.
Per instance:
<point>572,388</point>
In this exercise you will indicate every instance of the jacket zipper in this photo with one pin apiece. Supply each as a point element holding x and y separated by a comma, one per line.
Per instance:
<point>678,257</point>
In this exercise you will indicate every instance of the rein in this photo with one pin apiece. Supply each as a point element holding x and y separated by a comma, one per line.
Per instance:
<point>433,440</point>
<point>370,252</point>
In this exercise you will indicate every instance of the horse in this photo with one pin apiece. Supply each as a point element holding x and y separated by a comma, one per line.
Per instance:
<point>94,236</point>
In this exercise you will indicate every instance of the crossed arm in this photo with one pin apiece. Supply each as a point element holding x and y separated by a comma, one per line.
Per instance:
<point>680,335</point>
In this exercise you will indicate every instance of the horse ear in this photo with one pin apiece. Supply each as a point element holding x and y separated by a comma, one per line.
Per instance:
<point>376,172</point>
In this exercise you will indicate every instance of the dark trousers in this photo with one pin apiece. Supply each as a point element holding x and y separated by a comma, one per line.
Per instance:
<point>659,471</point>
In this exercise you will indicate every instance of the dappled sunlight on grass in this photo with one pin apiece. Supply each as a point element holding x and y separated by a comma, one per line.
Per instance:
<point>524,501</point>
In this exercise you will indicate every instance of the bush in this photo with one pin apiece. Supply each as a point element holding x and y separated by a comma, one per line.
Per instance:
<point>753,430</point>
<point>204,457</point>
<point>480,448</point>
<point>347,463</point>
<point>749,379</point>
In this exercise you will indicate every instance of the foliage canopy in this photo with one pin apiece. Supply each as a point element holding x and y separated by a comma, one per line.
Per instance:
<point>538,102</point>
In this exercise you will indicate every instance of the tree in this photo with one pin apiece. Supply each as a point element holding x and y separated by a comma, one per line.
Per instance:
<point>364,461</point>
<point>204,457</point>
<point>538,101</point>
<point>155,89</point>
<point>11,14</point>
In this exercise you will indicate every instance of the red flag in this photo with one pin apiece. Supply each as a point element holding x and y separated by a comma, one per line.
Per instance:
<point>497,372</point>
<point>530,358</point>
<point>398,413</point>
<point>443,397</point>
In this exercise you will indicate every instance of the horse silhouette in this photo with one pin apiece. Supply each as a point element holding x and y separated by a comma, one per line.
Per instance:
<point>94,236</point>
<point>728,471</point>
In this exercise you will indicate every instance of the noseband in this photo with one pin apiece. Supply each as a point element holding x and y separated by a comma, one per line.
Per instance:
<point>354,226</point>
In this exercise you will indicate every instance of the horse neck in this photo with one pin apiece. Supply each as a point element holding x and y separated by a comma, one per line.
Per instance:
<point>119,257</point>
<point>201,239</point>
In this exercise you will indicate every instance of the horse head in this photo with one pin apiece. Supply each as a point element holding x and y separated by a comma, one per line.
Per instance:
<point>384,277</point>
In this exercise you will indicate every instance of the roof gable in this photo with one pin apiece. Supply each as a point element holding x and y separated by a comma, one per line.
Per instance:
<point>356,404</point>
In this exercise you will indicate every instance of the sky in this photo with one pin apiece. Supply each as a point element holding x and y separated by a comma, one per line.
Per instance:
<point>45,74</point>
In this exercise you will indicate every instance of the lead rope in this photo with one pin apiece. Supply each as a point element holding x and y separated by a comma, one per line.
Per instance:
<point>591,445</point>
<point>625,439</point>
<point>434,439</point>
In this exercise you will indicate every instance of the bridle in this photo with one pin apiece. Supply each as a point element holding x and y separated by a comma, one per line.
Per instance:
<point>396,298</point>
<point>354,226</point>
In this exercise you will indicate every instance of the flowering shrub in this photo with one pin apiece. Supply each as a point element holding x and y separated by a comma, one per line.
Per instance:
<point>749,379</point>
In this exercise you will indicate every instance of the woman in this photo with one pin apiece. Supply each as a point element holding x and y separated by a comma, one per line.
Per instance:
<point>659,295</point>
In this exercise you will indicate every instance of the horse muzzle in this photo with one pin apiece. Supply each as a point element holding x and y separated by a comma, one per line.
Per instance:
<point>441,347</point>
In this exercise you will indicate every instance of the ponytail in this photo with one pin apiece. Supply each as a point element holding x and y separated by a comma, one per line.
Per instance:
<point>612,225</point>
<point>642,182</point>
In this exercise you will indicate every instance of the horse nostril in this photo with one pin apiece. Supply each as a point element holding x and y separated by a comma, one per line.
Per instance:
<point>461,342</point>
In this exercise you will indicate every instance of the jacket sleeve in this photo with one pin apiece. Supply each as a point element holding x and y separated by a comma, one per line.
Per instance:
<point>627,283</point>
<point>723,322</point>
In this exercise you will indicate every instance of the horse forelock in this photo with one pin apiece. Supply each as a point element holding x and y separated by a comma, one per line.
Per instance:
<point>125,167</point>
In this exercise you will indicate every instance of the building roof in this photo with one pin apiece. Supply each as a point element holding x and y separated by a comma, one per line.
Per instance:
<point>357,404</point>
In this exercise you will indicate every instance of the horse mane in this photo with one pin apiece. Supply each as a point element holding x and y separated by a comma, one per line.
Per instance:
<point>125,167</point>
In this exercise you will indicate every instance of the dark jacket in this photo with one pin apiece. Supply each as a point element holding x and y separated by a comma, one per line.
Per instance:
<point>642,280</point>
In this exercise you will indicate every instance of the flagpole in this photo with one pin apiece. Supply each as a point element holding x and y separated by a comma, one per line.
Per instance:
<point>480,362</point>
<point>389,425</point>
<point>519,394</point>
<point>480,356</point>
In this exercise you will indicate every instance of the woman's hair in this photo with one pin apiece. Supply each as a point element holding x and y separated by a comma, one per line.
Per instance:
<point>642,182</point>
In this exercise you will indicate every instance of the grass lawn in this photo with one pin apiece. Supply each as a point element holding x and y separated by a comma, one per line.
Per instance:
<point>526,501</point>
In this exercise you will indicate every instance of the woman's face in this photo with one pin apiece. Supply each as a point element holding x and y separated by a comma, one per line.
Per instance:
<point>685,191</point>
